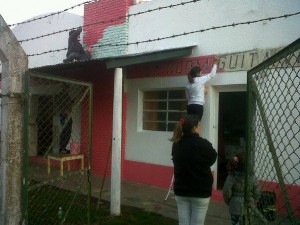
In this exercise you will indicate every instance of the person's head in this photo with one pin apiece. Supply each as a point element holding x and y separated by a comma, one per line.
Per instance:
<point>194,72</point>
<point>72,32</point>
<point>186,125</point>
<point>237,163</point>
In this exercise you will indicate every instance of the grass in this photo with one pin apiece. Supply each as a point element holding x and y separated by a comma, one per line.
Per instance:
<point>44,202</point>
<point>132,216</point>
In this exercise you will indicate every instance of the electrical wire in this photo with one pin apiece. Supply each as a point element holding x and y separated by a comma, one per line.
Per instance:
<point>51,14</point>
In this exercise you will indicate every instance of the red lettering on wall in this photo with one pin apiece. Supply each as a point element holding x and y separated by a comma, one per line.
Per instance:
<point>177,67</point>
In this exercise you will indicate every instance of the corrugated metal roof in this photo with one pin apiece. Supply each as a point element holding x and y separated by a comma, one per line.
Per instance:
<point>122,60</point>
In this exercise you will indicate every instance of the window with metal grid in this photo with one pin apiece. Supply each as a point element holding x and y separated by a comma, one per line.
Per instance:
<point>162,109</point>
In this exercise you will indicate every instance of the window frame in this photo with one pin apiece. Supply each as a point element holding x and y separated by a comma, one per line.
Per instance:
<point>167,111</point>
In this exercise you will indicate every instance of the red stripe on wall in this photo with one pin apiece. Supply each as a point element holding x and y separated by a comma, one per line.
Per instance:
<point>170,68</point>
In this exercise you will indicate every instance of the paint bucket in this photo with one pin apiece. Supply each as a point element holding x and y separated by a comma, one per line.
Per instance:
<point>74,148</point>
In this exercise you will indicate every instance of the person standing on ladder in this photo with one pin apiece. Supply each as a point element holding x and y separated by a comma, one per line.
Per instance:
<point>195,88</point>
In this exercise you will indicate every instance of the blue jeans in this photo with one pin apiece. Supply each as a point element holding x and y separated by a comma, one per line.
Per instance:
<point>191,211</point>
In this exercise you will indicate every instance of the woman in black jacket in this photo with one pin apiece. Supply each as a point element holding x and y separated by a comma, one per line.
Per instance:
<point>192,157</point>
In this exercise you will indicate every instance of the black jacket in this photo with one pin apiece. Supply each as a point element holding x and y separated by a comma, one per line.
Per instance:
<point>74,46</point>
<point>192,157</point>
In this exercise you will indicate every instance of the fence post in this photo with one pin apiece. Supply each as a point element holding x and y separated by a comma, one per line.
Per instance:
<point>14,65</point>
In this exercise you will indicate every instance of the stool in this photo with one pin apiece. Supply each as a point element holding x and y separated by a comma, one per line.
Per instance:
<point>62,158</point>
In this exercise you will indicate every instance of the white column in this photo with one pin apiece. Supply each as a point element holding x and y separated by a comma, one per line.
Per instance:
<point>115,206</point>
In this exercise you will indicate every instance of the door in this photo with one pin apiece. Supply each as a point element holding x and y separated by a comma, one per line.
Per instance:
<point>232,130</point>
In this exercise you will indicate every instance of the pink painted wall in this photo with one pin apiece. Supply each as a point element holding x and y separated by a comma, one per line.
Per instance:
<point>293,194</point>
<point>98,16</point>
<point>101,14</point>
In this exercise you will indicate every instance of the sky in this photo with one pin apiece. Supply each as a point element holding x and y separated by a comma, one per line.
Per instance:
<point>27,9</point>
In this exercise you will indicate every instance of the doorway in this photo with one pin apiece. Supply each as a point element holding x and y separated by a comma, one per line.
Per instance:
<point>44,124</point>
<point>232,130</point>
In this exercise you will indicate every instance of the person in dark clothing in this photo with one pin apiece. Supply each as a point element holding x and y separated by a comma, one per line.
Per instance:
<point>65,115</point>
<point>192,157</point>
<point>65,135</point>
<point>75,49</point>
<point>234,187</point>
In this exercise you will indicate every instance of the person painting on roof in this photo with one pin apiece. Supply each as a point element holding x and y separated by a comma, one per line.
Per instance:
<point>195,88</point>
<point>75,50</point>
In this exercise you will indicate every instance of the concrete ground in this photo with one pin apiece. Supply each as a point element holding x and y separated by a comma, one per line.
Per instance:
<point>152,198</point>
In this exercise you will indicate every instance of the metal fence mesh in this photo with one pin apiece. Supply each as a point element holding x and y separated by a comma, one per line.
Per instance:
<point>274,135</point>
<point>58,151</point>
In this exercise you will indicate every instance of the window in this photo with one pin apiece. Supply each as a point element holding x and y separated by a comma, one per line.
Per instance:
<point>163,109</point>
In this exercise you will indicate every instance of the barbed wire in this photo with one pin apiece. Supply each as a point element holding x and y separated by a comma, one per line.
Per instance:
<point>178,35</point>
<point>51,14</point>
<point>112,20</point>
<point>69,29</point>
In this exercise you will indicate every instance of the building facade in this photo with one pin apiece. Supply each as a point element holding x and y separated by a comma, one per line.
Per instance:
<point>156,43</point>
<point>242,34</point>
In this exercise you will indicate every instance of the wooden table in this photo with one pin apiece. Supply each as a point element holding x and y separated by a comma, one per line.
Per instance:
<point>62,158</point>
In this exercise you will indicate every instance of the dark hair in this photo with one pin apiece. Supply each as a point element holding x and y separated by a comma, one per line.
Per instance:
<point>71,32</point>
<point>185,126</point>
<point>237,163</point>
<point>193,73</point>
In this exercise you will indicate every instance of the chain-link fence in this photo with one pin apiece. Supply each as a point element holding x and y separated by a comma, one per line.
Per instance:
<point>57,150</point>
<point>274,138</point>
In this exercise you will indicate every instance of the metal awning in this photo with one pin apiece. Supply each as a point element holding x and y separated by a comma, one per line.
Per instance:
<point>127,60</point>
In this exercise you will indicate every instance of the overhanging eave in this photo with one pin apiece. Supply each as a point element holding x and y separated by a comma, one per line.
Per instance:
<point>123,61</point>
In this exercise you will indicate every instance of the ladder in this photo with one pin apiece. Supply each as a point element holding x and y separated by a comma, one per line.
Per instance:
<point>171,188</point>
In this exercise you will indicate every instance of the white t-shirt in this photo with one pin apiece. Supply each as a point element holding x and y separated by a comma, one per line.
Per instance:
<point>195,92</point>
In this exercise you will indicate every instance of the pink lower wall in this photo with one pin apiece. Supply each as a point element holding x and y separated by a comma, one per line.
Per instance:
<point>155,175</point>
<point>293,193</point>
<point>160,176</point>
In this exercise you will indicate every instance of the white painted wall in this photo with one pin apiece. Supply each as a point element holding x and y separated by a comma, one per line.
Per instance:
<point>147,146</point>
<point>48,25</point>
<point>205,14</point>
<point>154,147</point>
